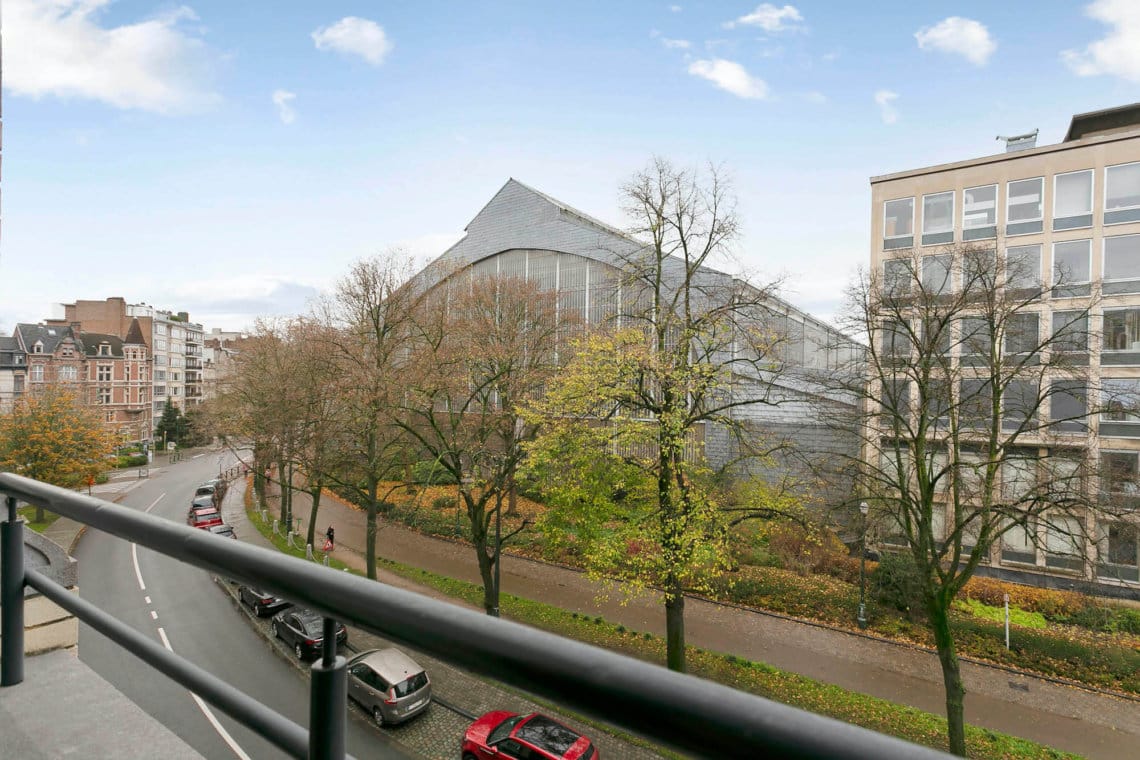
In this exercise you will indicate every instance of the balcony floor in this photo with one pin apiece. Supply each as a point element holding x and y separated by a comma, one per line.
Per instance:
<point>65,709</point>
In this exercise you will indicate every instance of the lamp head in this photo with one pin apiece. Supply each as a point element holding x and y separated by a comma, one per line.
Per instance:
<point>863,507</point>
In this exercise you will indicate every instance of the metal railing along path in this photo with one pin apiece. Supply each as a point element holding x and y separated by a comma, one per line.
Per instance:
<point>688,714</point>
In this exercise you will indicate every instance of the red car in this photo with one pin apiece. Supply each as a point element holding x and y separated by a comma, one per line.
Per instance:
<point>204,518</point>
<point>528,737</point>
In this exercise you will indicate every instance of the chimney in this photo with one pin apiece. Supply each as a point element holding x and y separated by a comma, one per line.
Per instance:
<point>1020,142</point>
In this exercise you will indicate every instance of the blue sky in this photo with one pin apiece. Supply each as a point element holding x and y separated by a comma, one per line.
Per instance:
<point>233,159</point>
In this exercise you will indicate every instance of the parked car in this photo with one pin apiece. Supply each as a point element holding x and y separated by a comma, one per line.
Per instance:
<point>389,685</point>
<point>204,517</point>
<point>302,630</point>
<point>226,531</point>
<point>261,602</point>
<point>507,734</point>
<point>219,484</point>
<point>203,500</point>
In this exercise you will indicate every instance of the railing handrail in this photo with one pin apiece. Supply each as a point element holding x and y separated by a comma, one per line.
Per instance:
<point>687,713</point>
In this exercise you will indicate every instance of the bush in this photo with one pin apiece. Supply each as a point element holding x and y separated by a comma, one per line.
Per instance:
<point>896,583</point>
<point>431,473</point>
<point>442,502</point>
<point>805,550</point>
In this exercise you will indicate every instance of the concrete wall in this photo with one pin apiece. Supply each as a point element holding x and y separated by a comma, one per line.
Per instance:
<point>46,625</point>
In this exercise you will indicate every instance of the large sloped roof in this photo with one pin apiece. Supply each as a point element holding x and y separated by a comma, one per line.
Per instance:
<point>28,335</point>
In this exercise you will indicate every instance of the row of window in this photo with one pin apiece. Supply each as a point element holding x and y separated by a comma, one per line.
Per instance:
<point>70,373</point>
<point>1024,207</point>
<point>1022,268</point>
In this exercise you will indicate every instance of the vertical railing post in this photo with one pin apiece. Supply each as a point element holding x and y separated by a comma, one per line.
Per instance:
<point>12,598</point>
<point>328,698</point>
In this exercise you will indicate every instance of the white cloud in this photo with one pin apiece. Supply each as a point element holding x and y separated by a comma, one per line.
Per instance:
<point>282,99</point>
<point>675,44</point>
<point>961,36</point>
<point>814,96</point>
<point>675,8</point>
<point>60,48</point>
<point>885,100</point>
<point>1118,53</point>
<point>769,18</point>
<point>730,76</point>
<point>355,36</point>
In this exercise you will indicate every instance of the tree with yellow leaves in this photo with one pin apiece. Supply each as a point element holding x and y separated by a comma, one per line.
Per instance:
<point>51,436</point>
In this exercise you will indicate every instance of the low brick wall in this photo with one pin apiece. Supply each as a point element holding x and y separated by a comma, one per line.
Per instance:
<point>46,625</point>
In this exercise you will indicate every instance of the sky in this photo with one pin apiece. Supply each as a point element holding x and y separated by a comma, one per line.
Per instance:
<point>233,160</point>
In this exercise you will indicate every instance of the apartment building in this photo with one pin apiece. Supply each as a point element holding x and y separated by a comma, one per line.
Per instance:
<point>1071,213</point>
<point>173,342</point>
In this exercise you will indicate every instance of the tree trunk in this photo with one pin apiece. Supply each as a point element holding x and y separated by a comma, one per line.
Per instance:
<point>479,540</point>
<point>315,494</point>
<point>674,626</point>
<point>370,532</point>
<point>951,677</point>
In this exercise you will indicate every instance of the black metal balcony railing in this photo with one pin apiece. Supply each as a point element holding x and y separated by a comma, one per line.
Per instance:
<point>686,713</point>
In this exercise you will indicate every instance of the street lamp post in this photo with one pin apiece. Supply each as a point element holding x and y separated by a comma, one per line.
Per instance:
<point>862,619</point>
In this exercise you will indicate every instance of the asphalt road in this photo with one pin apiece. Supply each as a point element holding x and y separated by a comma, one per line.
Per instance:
<point>182,606</point>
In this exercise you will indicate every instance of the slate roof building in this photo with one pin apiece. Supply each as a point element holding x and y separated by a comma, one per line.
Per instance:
<point>522,232</point>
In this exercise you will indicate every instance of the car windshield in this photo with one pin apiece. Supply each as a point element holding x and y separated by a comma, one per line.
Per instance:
<point>411,685</point>
<point>503,730</point>
<point>548,734</point>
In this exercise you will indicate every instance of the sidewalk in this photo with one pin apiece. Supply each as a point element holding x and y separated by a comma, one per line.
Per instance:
<point>1068,718</point>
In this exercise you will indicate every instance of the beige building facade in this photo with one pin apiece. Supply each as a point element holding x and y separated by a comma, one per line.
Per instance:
<point>1071,213</point>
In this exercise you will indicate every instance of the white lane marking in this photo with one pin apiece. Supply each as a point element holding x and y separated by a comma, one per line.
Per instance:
<point>153,615</point>
<point>198,455</point>
<point>135,559</point>
<point>222,732</point>
<point>154,503</point>
<point>146,599</point>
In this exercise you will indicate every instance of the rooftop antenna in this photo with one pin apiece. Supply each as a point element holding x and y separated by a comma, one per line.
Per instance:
<point>1020,142</point>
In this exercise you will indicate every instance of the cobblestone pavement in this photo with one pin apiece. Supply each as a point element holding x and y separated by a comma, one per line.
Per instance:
<point>438,732</point>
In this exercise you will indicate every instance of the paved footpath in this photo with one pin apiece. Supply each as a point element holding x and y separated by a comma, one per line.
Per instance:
<point>1076,720</point>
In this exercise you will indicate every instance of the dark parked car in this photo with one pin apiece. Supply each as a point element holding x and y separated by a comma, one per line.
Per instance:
<point>219,484</point>
<point>389,685</point>
<point>261,602</point>
<point>302,630</point>
<point>203,500</point>
<point>204,517</point>
<point>211,490</point>
<point>226,531</point>
<point>528,737</point>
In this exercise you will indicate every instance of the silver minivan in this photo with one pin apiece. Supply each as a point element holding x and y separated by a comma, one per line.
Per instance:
<point>388,684</point>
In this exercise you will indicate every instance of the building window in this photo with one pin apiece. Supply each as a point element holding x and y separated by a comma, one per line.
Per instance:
<point>936,278</point>
<point>1023,267</point>
<point>1064,540</point>
<point>979,212</point>
<point>1070,332</point>
<point>1017,544</point>
<point>175,390</point>
<point>159,390</point>
<point>67,374</point>
<point>975,340</point>
<point>36,373</point>
<point>1071,267</point>
<point>160,344</point>
<point>1122,333</point>
<point>1072,200</point>
<point>1120,399</point>
<point>896,277</point>
<point>159,405</point>
<point>103,373</point>
<point>1118,551</point>
<point>1122,264</point>
<point>938,218</point>
<point>109,417</point>
<point>898,223</point>
<point>1021,334</point>
<point>1019,404</point>
<point>104,349</point>
<point>1122,194</point>
<point>1024,209</point>
<point>160,374</point>
<point>1068,407</point>
<point>176,361</point>
<point>142,395</point>
<point>176,332</point>
<point>160,361</point>
<point>103,395</point>
<point>67,351</point>
<point>37,347</point>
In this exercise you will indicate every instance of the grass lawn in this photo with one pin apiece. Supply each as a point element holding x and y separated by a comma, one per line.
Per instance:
<point>29,514</point>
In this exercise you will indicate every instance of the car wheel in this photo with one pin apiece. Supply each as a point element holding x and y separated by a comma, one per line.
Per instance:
<point>276,631</point>
<point>298,651</point>
<point>378,716</point>
<point>469,756</point>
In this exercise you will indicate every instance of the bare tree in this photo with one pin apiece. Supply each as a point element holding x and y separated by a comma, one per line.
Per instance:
<point>368,328</point>
<point>482,346</point>
<point>694,350</point>
<point>974,408</point>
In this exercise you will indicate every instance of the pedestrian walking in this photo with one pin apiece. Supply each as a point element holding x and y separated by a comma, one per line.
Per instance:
<point>330,536</point>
